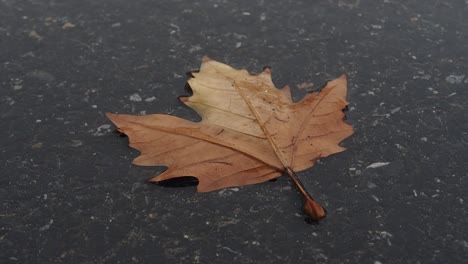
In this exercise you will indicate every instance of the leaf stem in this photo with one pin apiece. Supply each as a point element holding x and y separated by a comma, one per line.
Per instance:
<point>313,209</point>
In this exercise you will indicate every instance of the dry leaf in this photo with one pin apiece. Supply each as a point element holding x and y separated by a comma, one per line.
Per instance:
<point>250,131</point>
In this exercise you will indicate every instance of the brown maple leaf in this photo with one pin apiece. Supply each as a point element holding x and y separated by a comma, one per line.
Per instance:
<point>250,131</point>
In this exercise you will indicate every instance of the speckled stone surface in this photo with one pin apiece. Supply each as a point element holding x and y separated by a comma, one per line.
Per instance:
<point>68,193</point>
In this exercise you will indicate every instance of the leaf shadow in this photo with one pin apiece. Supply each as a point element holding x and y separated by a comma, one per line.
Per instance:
<point>186,181</point>
<point>311,221</point>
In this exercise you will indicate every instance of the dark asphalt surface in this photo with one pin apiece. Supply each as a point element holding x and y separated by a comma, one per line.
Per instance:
<point>68,193</point>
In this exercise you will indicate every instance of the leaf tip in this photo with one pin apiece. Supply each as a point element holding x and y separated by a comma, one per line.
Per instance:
<point>205,59</point>
<point>341,82</point>
<point>286,91</point>
<point>153,180</point>
<point>183,99</point>
<point>267,70</point>
<point>157,178</point>
<point>111,116</point>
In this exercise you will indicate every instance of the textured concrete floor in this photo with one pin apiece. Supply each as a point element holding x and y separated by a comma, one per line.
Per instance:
<point>68,193</point>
